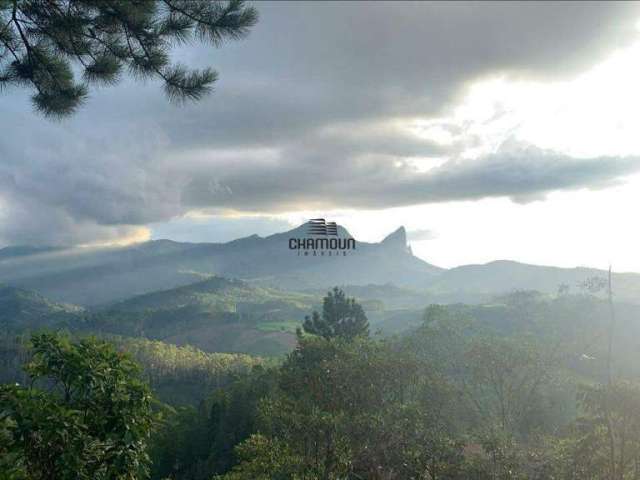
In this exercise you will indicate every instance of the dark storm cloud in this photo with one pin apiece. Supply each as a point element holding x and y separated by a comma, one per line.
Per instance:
<point>309,65</point>
<point>206,229</point>
<point>524,173</point>
<point>301,117</point>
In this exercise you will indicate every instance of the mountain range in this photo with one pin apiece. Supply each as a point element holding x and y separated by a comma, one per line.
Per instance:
<point>103,276</point>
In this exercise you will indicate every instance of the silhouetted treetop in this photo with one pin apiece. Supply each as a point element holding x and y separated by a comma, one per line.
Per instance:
<point>341,317</point>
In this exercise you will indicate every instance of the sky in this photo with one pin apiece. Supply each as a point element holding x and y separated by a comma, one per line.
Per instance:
<point>489,130</point>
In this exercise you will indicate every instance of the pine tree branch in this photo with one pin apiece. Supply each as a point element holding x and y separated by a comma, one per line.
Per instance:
<point>46,38</point>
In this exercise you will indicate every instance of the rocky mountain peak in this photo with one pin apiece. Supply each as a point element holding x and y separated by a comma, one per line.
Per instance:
<point>396,239</point>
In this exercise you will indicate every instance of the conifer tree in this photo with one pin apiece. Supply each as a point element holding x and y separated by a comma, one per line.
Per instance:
<point>341,317</point>
<point>43,43</point>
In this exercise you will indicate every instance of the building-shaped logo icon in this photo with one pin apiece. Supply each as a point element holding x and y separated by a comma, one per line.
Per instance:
<point>318,226</point>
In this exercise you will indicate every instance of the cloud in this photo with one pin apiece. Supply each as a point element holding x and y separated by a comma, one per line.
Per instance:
<point>28,223</point>
<point>212,228</point>
<point>303,183</point>
<point>421,235</point>
<point>308,113</point>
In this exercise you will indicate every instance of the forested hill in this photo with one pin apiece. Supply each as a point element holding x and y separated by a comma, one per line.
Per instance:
<point>20,309</point>
<point>216,294</point>
<point>215,315</point>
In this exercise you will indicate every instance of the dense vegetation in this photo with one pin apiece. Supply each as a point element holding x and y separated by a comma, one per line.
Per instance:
<point>85,413</point>
<point>516,389</point>
<point>216,315</point>
<point>457,399</point>
<point>177,375</point>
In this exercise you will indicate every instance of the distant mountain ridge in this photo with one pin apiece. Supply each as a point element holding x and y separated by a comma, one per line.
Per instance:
<point>478,283</point>
<point>92,277</point>
<point>98,276</point>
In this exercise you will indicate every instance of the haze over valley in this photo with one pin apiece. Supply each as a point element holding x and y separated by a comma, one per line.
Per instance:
<point>251,294</point>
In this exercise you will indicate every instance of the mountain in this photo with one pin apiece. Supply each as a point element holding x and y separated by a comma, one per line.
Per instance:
<point>24,309</point>
<point>23,250</point>
<point>100,276</point>
<point>215,315</point>
<point>478,283</point>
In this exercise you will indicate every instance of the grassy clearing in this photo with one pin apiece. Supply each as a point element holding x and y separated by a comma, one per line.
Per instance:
<point>279,326</point>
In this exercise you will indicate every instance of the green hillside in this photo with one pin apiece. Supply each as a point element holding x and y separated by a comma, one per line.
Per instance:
<point>185,374</point>
<point>217,294</point>
<point>215,315</point>
<point>23,309</point>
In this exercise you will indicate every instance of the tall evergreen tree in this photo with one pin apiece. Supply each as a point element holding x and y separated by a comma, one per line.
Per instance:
<point>42,41</point>
<point>341,317</point>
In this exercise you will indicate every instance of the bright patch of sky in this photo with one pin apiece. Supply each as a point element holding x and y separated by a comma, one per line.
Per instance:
<point>593,114</point>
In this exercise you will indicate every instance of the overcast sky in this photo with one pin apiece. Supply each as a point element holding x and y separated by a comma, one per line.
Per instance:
<point>490,131</point>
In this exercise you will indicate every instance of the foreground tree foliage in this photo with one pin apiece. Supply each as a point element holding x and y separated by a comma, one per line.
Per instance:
<point>41,42</point>
<point>85,414</point>
<point>353,409</point>
<point>605,441</point>
<point>196,443</point>
<point>181,375</point>
<point>457,399</point>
